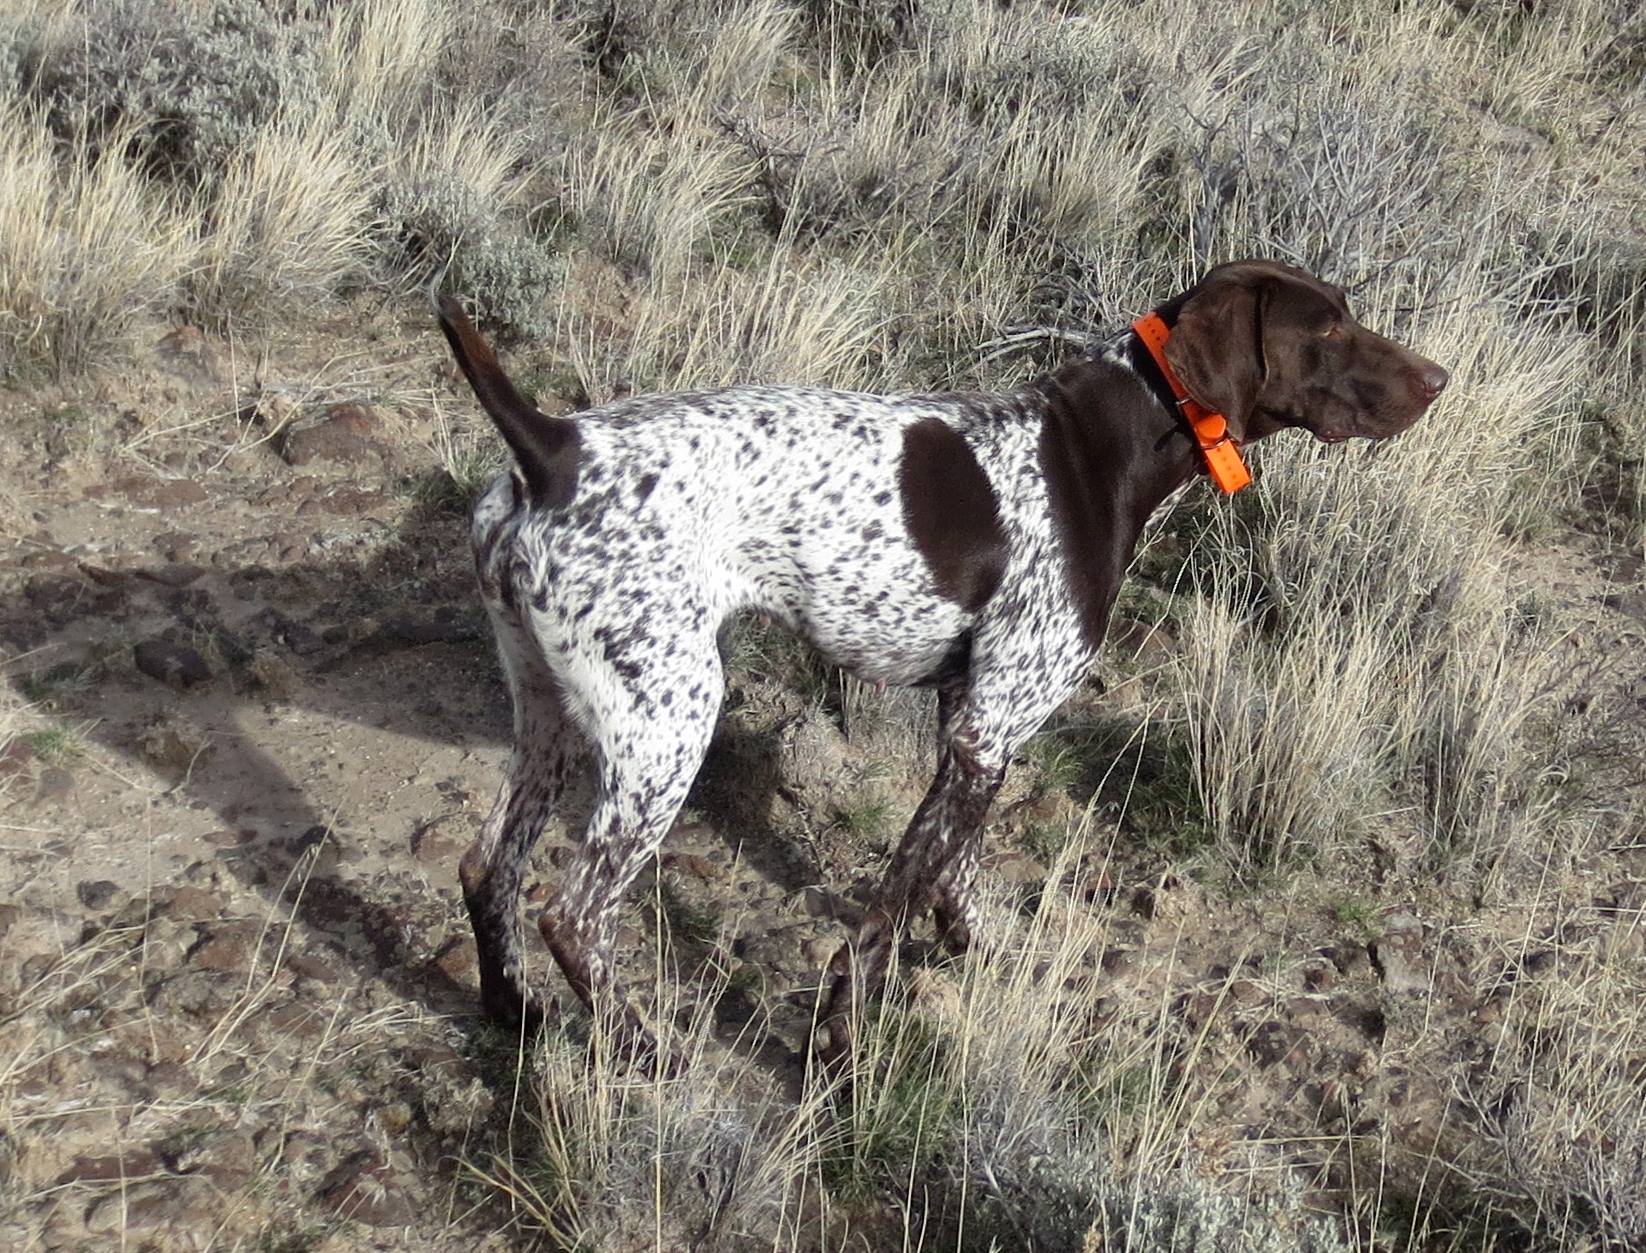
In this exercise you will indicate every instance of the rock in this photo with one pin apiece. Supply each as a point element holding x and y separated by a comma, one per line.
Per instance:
<point>274,411</point>
<point>1348,957</point>
<point>227,1158</point>
<point>1019,869</point>
<point>16,757</point>
<point>110,1167</point>
<point>1148,644</point>
<point>197,993</point>
<point>227,946</point>
<point>54,784</point>
<point>347,434</point>
<point>1248,993</point>
<point>1200,1006</point>
<point>445,627</point>
<point>1398,955</point>
<point>175,664</point>
<point>170,1081</point>
<point>364,1188</point>
<point>176,546</point>
<point>819,951</point>
<point>102,575</point>
<point>172,745</point>
<point>458,962</point>
<point>1089,880</point>
<point>313,966</point>
<point>189,354</point>
<point>172,574</point>
<point>55,594</point>
<point>150,491</point>
<point>819,902</point>
<point>179,1212</point>
<point>188,904</point>
<point>100,894</point>
<point>693,864</point>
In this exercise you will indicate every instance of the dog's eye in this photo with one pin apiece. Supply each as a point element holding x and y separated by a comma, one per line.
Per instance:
<point>1334,331</point>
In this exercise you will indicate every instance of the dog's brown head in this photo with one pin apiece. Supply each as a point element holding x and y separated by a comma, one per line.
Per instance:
<point>1269,346</point>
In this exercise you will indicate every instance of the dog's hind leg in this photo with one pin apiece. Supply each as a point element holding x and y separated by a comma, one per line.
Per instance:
<point>650,743</point>
<point>547,748</point>
<point>954,912</point>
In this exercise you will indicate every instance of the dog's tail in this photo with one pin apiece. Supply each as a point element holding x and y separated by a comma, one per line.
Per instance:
<point>544,448</point>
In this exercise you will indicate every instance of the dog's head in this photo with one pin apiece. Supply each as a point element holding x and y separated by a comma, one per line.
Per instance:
<point>1269,346</point>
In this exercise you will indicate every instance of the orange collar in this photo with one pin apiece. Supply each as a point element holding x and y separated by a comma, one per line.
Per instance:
<point>1211,430</point>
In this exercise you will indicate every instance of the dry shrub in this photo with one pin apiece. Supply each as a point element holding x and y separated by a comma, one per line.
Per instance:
<point>444,207</point>
<point>288,226</point>
<point>978,1109</point>
<point>1560,1106</point>
<point>190,85</point>
<point>87,246</point>
<point>989,1104</point>
<point>616,1157</point>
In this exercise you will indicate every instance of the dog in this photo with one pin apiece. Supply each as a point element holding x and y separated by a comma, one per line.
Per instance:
<point>971,543</point>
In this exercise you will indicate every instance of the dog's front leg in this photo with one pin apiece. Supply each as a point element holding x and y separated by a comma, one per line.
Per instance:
<point>949,818</point>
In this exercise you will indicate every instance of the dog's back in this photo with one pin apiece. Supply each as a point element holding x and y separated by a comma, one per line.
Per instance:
<point>796,502</point>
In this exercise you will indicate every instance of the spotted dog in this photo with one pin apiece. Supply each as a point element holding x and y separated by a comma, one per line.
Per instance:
<point>969,543</point>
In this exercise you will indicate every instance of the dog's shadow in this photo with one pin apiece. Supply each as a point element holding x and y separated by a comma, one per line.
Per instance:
<point>397,642</point>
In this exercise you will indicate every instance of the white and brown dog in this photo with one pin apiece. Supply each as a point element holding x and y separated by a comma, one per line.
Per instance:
<point>970,543</point>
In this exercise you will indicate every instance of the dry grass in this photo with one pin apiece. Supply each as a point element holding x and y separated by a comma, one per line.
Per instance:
<point>864,194</point>
<point>87,247</point>
<point>285,229</point>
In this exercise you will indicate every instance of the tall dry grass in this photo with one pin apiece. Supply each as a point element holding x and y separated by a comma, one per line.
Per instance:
<point>87,247</point>
<point>286,227</point>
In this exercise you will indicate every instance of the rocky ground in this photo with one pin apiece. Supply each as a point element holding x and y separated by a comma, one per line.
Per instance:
<point>255,719</point>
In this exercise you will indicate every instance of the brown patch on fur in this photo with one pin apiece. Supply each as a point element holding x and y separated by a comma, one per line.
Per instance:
<point>1110,451</point>
<point>952,513</point>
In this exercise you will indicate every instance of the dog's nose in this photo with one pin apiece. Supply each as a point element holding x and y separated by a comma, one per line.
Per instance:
<point>1432,379</point>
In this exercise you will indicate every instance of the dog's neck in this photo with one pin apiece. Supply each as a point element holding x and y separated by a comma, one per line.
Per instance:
<point>1113,447</point>
<point>1117,408</point>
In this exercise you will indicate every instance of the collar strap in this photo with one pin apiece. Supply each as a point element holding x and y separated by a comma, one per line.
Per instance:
<point>1211,430</point>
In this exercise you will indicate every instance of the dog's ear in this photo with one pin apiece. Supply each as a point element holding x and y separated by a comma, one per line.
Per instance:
<point>1216,347</point>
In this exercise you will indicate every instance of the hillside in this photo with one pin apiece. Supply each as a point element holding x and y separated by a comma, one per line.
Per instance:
<point>1317,918</point>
